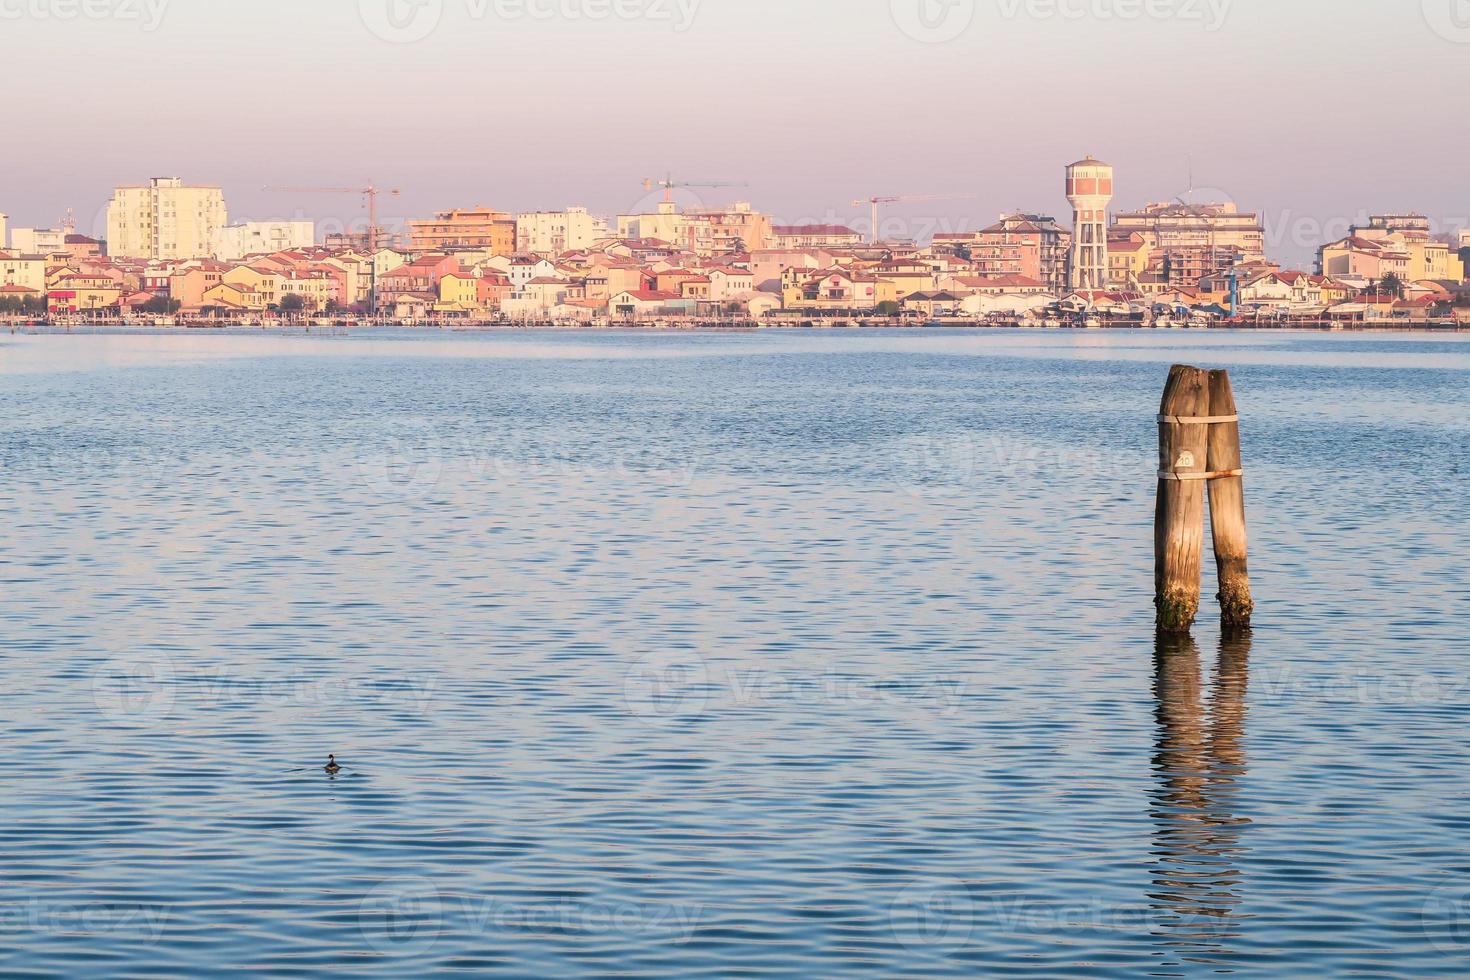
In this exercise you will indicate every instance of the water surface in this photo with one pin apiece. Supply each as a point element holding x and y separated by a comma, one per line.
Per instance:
<point>779,654</point>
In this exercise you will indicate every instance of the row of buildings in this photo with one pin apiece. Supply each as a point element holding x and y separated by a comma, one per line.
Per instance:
<point>170,247</point>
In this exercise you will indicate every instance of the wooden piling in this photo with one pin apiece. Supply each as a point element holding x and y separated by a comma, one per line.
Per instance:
<point>1179,521</point>
<point>1227,507</point>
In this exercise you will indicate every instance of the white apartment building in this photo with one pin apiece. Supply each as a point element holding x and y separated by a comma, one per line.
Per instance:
<point>666,225</point>
<point>165,220</point>
<point>38,241</point>
<point>554,232</point>
<point>234,242</point>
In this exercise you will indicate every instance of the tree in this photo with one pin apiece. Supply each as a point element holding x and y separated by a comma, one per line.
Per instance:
<point>24,305</point>
<point>292,303</point>
<point>1392,285</point>
<point>160,304</point>
<point>889,308</point>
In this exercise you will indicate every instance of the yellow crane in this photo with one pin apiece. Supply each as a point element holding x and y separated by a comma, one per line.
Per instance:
<point>876,203</point>
<point>369,193</point>
<point>669,183</point>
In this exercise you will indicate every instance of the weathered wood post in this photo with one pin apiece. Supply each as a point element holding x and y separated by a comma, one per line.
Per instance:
<point>1199,443</point>
<point>1227,506</point>
<point>1179,530</point>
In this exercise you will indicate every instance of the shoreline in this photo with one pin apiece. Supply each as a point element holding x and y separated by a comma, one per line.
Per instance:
<point>344,328</point>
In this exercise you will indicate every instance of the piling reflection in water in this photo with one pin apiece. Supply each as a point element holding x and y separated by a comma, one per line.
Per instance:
<point>1198,764</point>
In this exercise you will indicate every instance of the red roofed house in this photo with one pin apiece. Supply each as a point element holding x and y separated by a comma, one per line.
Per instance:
<point>631,304</point>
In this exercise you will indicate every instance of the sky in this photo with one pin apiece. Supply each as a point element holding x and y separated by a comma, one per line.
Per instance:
<point>1312,112</point>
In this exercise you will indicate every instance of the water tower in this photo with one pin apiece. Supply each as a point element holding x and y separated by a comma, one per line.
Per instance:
<point>1090,190</point>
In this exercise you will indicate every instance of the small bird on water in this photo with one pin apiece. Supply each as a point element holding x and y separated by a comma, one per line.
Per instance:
<point>332,767</point>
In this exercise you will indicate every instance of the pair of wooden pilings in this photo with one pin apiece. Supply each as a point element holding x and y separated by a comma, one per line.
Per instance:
<point>1199,445</point>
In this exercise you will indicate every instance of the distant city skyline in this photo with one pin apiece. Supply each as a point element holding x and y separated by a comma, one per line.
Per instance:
<point>813,105</point>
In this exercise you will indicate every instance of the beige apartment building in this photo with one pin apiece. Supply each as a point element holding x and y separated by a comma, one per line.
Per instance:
<point>458,230</point>
<point>1176,225</point>
<point>720,231</point>
<point>1188,242</point>
<point>165,220</point>
<point>1030,245</point>
<point>555,232</point>
<point>1429,257</point>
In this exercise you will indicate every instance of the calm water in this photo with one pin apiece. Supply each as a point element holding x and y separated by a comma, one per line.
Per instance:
<point>787,655</point>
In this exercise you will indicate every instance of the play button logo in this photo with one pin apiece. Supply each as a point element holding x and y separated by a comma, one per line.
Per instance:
<point>1450,19</point>
<point>933,21</point>
<point>401,21</point>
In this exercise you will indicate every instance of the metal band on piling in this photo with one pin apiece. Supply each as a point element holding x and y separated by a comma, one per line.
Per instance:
<point>1186,477</point>
<point>1199,428</point>
<point>1198,420</point>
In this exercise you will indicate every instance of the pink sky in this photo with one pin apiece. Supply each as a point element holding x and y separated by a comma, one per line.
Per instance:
<point>1309,111</point>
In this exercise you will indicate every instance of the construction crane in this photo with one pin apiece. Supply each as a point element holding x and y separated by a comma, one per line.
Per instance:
<point>877,203</point>
<point>370,194</point>
<point>669,183</point>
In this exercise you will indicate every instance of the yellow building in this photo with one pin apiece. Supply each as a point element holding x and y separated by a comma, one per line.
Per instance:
<point>77,293</point>
<point>165,220</point>
<point>1334,292</point>
<point>233,296</point>
<point>1430,259</point>
<point>476,228</point>
<point>459,292</point>
<point>315,290</point>
<point>896,285</point>
<point>1128,259</point>
<point>28,271</point>
<point>264,285</point>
